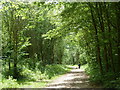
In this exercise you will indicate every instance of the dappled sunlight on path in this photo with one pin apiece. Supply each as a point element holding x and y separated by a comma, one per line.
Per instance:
<point>76,78</point>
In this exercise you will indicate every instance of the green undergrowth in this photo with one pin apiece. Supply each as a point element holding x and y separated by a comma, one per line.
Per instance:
<point>107,80</point>
<point>84,67</point>
<point>34,78</point>
<point>81,67</point>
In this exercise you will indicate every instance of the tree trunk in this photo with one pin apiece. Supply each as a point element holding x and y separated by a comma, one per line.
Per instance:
<point>52,51</point>
<point>117,6</point>
<point>100,17</point>
<point>109,37</point>
<point>10,35</point>
<point>15,43</point>
<point>97,40</point>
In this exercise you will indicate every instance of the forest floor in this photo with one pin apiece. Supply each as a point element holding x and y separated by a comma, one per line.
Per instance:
<point>76,78</point>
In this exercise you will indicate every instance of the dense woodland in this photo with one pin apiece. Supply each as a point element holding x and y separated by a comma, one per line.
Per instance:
<point>37,35</point>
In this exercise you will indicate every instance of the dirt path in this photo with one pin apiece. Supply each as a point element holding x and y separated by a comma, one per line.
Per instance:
<point>76,78</point>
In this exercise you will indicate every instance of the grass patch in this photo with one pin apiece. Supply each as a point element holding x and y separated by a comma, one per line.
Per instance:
<point>84,66</point>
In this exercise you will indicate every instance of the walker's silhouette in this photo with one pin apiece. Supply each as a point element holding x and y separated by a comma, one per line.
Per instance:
<point>79,65</point>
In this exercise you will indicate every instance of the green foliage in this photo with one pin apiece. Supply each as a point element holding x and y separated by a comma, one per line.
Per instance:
<point>13,83</point>
<point>37,74</point>
<point>111,80</point>
<point>54,70</point>
<point>96,77</point>
<point>107,80</point>
<point>10,73</point>
<point>33,75</point>
<point>37,35</point>
<point>28,75</point>
<point>9,83</point>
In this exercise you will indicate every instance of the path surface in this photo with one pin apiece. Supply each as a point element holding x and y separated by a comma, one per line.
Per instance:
<point>76,78</point>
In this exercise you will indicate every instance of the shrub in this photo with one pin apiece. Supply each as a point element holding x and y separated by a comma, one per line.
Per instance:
<point>53,70</point>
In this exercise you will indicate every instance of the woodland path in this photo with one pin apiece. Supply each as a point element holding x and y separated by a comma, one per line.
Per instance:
<point>76,78</point>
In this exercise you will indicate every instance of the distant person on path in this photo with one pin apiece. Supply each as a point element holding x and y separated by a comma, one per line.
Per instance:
<point>79,65</point>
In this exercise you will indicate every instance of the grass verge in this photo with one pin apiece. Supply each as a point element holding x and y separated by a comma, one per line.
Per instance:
<point>34,78</point>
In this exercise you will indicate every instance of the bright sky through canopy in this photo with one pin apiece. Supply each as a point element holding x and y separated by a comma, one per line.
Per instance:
<point>65,0</point>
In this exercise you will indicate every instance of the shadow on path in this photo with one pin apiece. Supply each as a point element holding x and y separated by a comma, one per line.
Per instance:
<point>76,78</point>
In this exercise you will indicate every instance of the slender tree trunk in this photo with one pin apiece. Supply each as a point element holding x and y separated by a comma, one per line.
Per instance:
<point>15,38</point>
<point>117,6</point>
<point>10,42</point>
<point>97,40</point>
<point>52,51</point>
<point>77,56</point>
<point>73,60</point>
<point>41,51</point>
<point>100,17</point>
<point>15,58</point>
<point>10,35</point>
<point>109,37</point>
<point>60,59</point>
